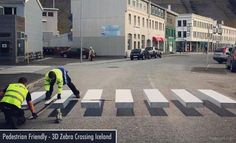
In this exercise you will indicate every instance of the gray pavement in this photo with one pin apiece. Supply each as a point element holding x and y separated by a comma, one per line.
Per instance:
<point>173,124</point>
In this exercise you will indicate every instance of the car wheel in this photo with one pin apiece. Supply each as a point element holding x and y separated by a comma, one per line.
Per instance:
<point>220,62</point>
<point>65,55</point>
<point>131,59</point>
<point>232,68</point>
<point>143,57</point>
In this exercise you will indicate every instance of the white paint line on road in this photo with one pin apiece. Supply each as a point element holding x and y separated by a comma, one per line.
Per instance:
<point>150,81</point>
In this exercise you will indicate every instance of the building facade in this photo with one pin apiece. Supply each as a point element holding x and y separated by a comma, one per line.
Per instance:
<point>170,30</point>
<point>195,33</point>
<point>51,36</point>
<point>20,29</point>
<point>115,27</point>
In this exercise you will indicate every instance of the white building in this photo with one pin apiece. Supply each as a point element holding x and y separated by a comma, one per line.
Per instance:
<point>28,29</point>
<point>228,36</point>
<point>195,33</point>
<point>115,27</point>
<point>51,36</point>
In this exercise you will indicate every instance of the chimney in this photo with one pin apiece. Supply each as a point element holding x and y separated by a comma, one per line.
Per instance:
<point>169,7</point>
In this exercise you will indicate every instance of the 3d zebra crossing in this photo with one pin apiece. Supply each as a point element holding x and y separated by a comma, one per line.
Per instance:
<point>155,99</point>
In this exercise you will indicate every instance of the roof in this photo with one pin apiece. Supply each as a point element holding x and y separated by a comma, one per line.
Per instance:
<point>50,9</point>
<point>20,2</point>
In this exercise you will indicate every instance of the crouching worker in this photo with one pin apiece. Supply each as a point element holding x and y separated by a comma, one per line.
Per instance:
<point>12,98</point>
<point>60,77</point>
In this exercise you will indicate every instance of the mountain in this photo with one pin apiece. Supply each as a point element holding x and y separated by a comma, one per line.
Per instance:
<point>216,9</point>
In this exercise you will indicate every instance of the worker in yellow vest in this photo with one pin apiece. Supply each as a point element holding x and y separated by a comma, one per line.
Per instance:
<point>12,98</point>
<point>60,77</point>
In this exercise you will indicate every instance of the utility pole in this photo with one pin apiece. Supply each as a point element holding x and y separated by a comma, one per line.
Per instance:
<point>81,38</point>
<point>208,46</point>
<point>53,4</point>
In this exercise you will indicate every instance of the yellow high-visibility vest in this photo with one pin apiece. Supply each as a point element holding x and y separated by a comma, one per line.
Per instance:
<point>15,94</point>
<point>59,80</point>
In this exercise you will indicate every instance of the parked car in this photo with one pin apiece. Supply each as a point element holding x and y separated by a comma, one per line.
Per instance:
<point>154,52</point>
<point>220,54</point>
<point>75,53</point>
<point>139,54</point>
<point>231,60</point>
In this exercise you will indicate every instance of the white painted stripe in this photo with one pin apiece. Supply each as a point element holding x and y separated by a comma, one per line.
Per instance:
<point>35,97</point>
<point>92,99</point>
<point>186,98</point>
<point>155,98</point>
<point>124,98</point>
<point>64,101</point>
<point>218,99</point>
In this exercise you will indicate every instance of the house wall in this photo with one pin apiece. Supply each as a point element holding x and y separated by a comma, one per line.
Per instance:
<point>33,26</point>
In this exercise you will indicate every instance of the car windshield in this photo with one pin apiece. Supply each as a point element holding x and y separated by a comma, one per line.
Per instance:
<point>136,50</point>
<point>219,50</point>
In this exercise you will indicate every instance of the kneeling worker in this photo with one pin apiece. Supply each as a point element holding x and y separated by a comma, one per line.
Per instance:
<point>12,98</point>
<point>61,77</point>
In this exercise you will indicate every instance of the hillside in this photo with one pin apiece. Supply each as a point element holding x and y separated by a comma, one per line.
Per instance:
<point>217,9</point>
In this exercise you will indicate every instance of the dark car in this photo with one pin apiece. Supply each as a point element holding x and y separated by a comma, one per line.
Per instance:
<point>139,54</point>
<point>231,60</point>
<point>220,54</point>
<point>154,52</point>
<point>75,53</point>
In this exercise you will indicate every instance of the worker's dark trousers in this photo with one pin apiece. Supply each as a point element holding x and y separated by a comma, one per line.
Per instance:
<point>13,115</point>
<point>69,84</point>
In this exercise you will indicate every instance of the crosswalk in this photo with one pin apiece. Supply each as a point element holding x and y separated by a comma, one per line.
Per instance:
<point>155,99</point>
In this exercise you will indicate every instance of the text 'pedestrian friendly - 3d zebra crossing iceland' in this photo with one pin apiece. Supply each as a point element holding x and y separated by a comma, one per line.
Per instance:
<point>155,99</point>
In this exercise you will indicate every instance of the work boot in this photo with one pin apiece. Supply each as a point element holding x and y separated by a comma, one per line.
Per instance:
<point>77,95</point>
<point>47,98</point>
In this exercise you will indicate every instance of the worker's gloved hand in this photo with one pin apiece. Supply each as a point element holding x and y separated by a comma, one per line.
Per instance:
<point>58,96</point>
<point>34,115</point>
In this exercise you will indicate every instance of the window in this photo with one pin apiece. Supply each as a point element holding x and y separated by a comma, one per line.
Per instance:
<point>147,23</point>
<point>138,44</point>
<point>194,23</point>
<point>138,21</point>
<point>129,41</point>
<point>184,23</point>
<point>134,20</point>
<point>5,34</point>
<point>143,22</point>
<point>9,10</point>
<point>156,25</point>
<point>129,2</point>
<point>152,24</point>
<point>44,13</point>
<point>135,45</point>
<point>179,34</point>
<point>185,34</point>
<point>134,36</point>
<point>133,3</point>
<point>179,23</point>
<point>129,18</point>
<point>50,14</point>
<point>160,26</point>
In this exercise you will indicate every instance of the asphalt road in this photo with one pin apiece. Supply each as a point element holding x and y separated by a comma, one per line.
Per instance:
<point>173,124</point>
